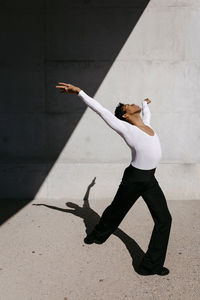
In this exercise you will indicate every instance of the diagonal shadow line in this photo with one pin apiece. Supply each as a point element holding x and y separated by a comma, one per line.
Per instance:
<point>91,218</point>
<point>33,140</point>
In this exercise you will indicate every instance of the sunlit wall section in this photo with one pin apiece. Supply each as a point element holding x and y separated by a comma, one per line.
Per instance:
<point>160,60</point>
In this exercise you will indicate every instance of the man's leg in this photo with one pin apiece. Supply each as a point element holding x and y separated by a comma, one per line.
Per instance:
<point>127,194</point>
<point>155,256</point>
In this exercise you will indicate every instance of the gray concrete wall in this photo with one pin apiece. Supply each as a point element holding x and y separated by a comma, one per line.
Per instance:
<point>52,145</point>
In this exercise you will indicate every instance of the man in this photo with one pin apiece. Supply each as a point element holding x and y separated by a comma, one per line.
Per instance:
<point>138,179</point>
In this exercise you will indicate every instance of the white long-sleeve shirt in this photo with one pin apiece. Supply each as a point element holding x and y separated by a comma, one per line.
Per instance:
<point>145,149</point>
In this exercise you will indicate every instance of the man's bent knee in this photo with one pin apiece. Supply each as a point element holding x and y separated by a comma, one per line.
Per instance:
<point>167,220</point>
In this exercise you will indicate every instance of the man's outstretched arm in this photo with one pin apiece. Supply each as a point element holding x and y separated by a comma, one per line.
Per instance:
<point>146,114</point>
<point>118,125</point>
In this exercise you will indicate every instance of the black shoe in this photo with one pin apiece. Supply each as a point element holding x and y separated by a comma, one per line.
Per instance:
<point>163,271</point>
<point>92,238</point>
<point>143,271</point>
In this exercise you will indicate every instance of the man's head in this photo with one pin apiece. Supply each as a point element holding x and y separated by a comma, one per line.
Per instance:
<point>124,111</point>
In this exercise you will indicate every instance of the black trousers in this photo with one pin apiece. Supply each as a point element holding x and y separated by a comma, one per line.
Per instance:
<point>135,183</point>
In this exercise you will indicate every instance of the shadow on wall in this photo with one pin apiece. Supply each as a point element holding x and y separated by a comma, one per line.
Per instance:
<point>43,43</point>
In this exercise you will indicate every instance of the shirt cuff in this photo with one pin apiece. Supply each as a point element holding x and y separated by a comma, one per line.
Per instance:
<point>144,102</point>
<point>81,93</point>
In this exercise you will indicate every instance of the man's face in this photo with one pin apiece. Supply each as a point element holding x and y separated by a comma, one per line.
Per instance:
<point>131,108</point>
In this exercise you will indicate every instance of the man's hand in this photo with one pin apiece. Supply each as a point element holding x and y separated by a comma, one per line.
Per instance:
<point>147,100</point>
<point>68,88</point>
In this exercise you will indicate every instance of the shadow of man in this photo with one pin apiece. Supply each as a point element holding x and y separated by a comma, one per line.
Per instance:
<point>91,218</point>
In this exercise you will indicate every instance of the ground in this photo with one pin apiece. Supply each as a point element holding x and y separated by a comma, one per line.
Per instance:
<point>43,255</point>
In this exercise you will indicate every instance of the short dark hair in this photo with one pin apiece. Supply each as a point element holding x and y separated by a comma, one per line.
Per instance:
<point>119,112</point>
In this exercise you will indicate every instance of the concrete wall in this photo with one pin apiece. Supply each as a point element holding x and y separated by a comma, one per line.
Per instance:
<point>52,145</point>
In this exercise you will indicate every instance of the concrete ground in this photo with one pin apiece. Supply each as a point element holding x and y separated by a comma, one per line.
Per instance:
<point>43,255</point>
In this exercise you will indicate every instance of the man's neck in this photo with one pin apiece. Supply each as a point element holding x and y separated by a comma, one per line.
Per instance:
<point>136,120</point>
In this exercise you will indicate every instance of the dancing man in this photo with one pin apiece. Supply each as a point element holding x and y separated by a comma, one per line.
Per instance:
<point>138,179</point>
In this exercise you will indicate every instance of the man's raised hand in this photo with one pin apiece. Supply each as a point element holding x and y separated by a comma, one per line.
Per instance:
<point>68,88</point>
<point>147,100</point>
